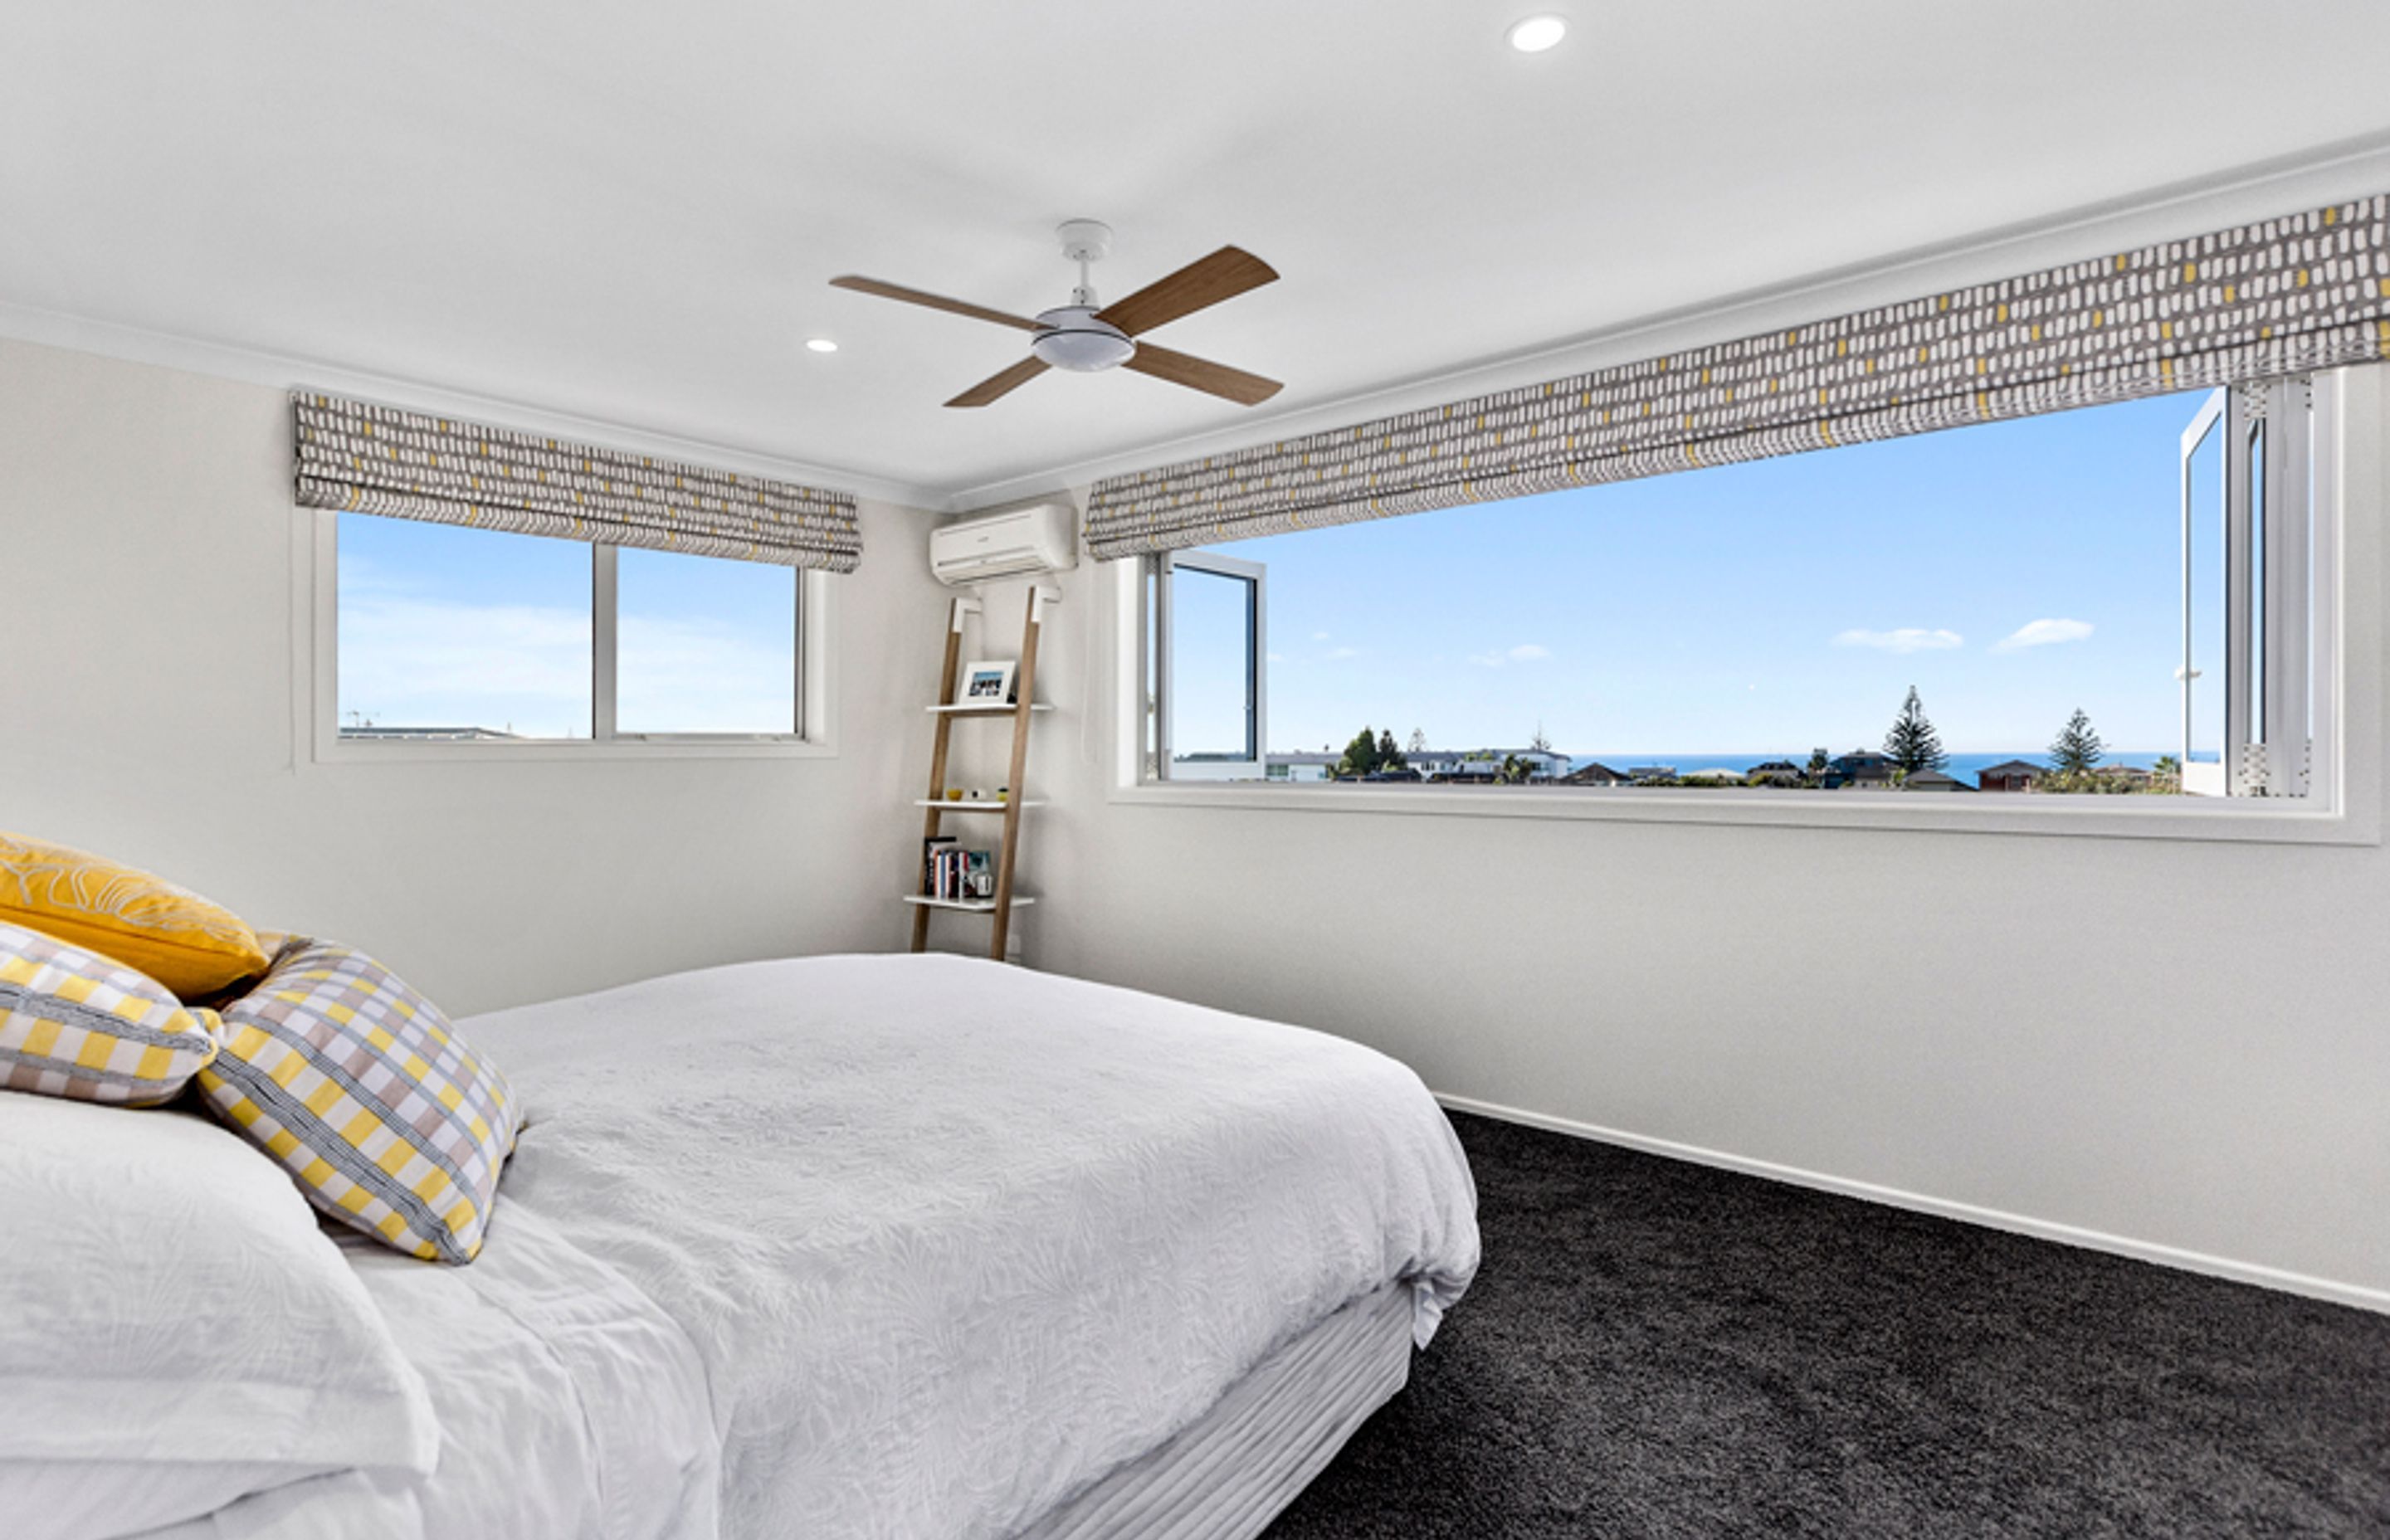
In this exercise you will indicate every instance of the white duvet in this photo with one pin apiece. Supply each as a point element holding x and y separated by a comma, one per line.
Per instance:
<point>951,1239</point>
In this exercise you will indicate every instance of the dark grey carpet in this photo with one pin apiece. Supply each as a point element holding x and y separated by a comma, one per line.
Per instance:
<point>1660,1349</point>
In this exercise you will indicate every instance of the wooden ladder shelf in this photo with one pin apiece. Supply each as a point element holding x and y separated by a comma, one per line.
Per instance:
<point>1023,710</point>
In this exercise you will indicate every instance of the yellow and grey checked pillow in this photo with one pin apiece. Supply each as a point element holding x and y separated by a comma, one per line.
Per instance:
<point>75,1024</point>
<point>365,1092</point>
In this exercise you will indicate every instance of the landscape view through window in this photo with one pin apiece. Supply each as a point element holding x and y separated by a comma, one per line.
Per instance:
<point>1758,623</point>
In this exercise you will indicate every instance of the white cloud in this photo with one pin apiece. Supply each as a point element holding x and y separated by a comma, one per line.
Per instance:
<point>1343,652</point>
<point>1525,652</point>
<point>1277,657</point>
<point>1907,639</point>
<point>2042,634</point>
<point>1529,652</point>
<point>1319,635</point>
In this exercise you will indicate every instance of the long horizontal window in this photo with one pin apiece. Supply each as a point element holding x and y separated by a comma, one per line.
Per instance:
<point>456,634</point>
<point>2113,601</point>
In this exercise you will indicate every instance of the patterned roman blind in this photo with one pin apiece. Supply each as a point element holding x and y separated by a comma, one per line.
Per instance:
<point>2309,291</point>
<point>366,458</point>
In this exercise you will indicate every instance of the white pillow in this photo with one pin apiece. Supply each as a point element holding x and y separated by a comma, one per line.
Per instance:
<point>166,1300</point>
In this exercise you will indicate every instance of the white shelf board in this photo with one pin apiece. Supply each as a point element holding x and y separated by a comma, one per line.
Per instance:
<point>976,710</point>
<point>966,905</point>
<point>983,805</point>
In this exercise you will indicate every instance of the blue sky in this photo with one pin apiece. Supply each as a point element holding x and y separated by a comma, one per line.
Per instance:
<point>459,627</point>
<point>2011,572</point>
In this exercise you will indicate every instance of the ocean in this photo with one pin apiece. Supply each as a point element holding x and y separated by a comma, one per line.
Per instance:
<point>1961,766</point>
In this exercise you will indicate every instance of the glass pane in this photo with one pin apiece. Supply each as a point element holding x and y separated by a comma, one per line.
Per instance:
<point>452,633</point>
<point>2203,741</point>
<point>704,645</point>
<point>1715,630</point>
<point>1212,671</point>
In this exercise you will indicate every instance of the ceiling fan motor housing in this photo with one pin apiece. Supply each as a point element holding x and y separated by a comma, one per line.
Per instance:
<point>1070,337</point>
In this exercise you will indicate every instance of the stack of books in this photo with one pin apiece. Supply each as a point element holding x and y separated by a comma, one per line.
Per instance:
<point>948,871</point>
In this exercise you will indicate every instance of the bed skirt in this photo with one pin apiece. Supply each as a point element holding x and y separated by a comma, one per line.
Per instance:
<point>1236,1467</point>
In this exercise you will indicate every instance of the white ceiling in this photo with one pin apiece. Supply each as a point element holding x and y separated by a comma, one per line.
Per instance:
<point>626,210</point>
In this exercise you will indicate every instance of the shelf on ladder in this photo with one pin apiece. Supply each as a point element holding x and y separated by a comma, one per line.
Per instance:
<point>966,905</point>
<point>983,805</point>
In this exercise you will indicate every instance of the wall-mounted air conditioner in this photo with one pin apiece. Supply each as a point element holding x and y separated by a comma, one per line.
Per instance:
<point>1044,538</point>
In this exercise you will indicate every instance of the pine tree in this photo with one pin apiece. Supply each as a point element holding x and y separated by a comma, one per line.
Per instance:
<point>1819,763</point>
<point>1913,744</point>
<point>1540,743</point>
<point>2077,750</point>
<point>1389,757</point>
<point>1418,740</point>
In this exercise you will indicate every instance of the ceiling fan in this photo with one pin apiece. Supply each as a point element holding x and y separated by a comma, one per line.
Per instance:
<point>1083,338</point>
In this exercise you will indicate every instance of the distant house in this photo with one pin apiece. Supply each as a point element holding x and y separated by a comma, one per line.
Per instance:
<point>1776,772</point>
<point>1933,780</point>
<point>1302,767</point>
<point>2131,775</point>
<point>430,735</point>
<point>1593,775</point>
<point>1860,770</point>
<point>1484,764</point>
<point>1651,775</point>
<point>2014,774</point>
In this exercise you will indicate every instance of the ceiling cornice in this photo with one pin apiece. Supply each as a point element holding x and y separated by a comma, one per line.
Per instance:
<point>283,371</point>
<point>2350,169</point>
<point>2358,168</point>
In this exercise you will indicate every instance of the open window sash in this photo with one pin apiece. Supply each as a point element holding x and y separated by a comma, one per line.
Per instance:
<point>2248,520</point>
<point>1210,656</point>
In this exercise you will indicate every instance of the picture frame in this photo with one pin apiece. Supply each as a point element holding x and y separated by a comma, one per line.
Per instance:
<point>985,684</point>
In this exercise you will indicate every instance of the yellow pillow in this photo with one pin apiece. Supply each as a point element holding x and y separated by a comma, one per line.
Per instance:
<point>193,947</point>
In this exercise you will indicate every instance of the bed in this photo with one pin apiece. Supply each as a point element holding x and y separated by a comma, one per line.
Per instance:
<point>911,1247</point>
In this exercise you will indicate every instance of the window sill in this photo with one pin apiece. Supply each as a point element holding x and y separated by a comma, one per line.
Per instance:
<point>488,751</point>
<point>1947,812</point>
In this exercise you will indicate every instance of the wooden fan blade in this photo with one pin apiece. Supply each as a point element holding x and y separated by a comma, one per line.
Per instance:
<point>1202,374</point>
<point>934,301</point>
<point>997,385</point>
<point>1223,274</point>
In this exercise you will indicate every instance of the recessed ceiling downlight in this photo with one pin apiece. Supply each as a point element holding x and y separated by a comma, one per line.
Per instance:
<point>1537,33</point>
<point>820,344</point>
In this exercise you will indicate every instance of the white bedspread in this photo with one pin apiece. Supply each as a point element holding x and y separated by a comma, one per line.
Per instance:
<point>955,1239</point>
<point>570,1409</point>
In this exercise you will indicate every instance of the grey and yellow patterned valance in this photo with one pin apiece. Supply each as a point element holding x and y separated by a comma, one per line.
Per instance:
<point>381,459</point>
<point>2309,291</point>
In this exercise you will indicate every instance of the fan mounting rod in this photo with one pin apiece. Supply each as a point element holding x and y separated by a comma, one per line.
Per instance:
<point>1085,241</point>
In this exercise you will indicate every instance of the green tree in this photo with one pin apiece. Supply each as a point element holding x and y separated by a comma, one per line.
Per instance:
<point>1913,744</point>
<point>2165,776</point>
<point>1389,757</point>
<point>1514,772</point>
<point>1819,763</point>
<point>2077,750</point>
<point>1360,755</point>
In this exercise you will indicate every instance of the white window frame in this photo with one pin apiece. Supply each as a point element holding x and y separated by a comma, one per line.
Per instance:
<point>316,683</point>
<point>2344,806</point>
<point>1164,567</point>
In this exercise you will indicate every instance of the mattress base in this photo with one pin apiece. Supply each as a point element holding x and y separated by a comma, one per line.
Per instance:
<point>1228,1474</point>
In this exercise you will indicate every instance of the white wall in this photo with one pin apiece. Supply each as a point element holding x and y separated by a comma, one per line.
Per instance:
<point>2174,1045</point>
<point>147,550</point>
<point>2181,1047</point>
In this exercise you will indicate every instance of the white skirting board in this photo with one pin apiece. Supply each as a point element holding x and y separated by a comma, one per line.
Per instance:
<point>2358,1295</point>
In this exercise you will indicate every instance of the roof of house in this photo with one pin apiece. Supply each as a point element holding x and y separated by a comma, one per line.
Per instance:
<point>2010,767</point>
